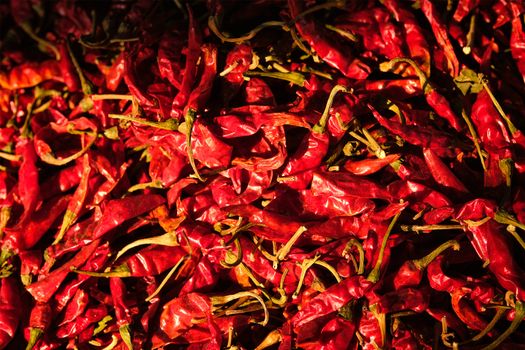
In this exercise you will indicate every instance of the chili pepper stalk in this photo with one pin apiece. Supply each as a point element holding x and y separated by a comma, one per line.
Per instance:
<point>411,272</point>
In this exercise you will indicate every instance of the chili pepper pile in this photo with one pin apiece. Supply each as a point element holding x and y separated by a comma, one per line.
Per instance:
<point>263,174</point>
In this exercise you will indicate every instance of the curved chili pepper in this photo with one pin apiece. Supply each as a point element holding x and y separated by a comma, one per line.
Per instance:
<point>314,146</point>
<point>441,34</point>
<point>493,247</point>
<point>465,312</point>
<point>319,39</point>
<point>434,99</point>
<point>411,272</point>
<point>39,322</point>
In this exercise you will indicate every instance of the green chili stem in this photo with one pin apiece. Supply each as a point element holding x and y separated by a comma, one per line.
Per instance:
<point>87,88</point>
<point>189,120</point>
<point>142,186</point>
<point>283,252</point>
<point>423,262</point>
<point>355,243</point>
<point>298,42</point>
<point>221,300</point>
<point>10,157</point>
<point>475,138</point>
<point>231,259</point>
<point>305,266</point>
<point>212,24</point>
<point>321,124</point>
<point>510,125</point>
<point>34,336</point>
<point>417,228</point>
<point>512,230</point>
<point>166,279</point>
<point>503,217</point>
<point>293,77</point>
<point>97,97</point>
<point>330,268</point>
<point>518,317</point>
<point>381,320</point>
<point>29,31</point>
<point>379,152</point>
<point>374,274</point>
<point>423,79</point>
<point>170,124</point>
<point>69,218</point>
<point>470,35</point>
<point>325,6</point>
<point>113,344</point>
<point>121,274</point>
<point>168,239</point>
<point>343,33</point>
<point>500,311</point>
<point>125,334</point>
<point>271,339</point>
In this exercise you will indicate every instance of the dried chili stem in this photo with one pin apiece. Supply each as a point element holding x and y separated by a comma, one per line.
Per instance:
<point>423,262</point>
<point>355,243</point>
<point>213,25</point>
<point>283,252</point>
<point>374,274</point>
<point>321,124</point>
<point>166,279</point>
<point>170,124</point>
<point>518,317</point>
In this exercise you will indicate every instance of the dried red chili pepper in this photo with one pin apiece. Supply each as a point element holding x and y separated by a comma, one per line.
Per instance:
<point>319,39</point>
<point>10,310</point>
<point>411,272</point>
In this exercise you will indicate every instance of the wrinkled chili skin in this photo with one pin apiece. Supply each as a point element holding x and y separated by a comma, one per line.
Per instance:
<point>226,174</point>
<point>10,310</point>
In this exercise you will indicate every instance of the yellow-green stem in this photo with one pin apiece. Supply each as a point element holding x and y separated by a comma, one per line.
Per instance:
<point>321,124</point>
<point>374,274</point>
<point>189,119</point>
<point>423,262</point>
<point>518,317</point>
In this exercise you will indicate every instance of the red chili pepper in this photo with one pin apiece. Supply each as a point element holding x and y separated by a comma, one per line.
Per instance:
<point>441,35</point>
<point>370,166</point>
<point>180,314</point>
<point>427,137</point>
<point>10,310</point>
<point>193,52</point>
<point>28,184</point>
<point>320,40</point>
<point>39,322</point>
<point>517,39</point>
<point>30,74</point>
<point>332,299</point>
<point>116,73</point>
<point>43,289</point>
<point>466,313</point>
<point>441,172</point>
<point>118,211</point>
<point>411,272</point>
<point>493,247</point>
